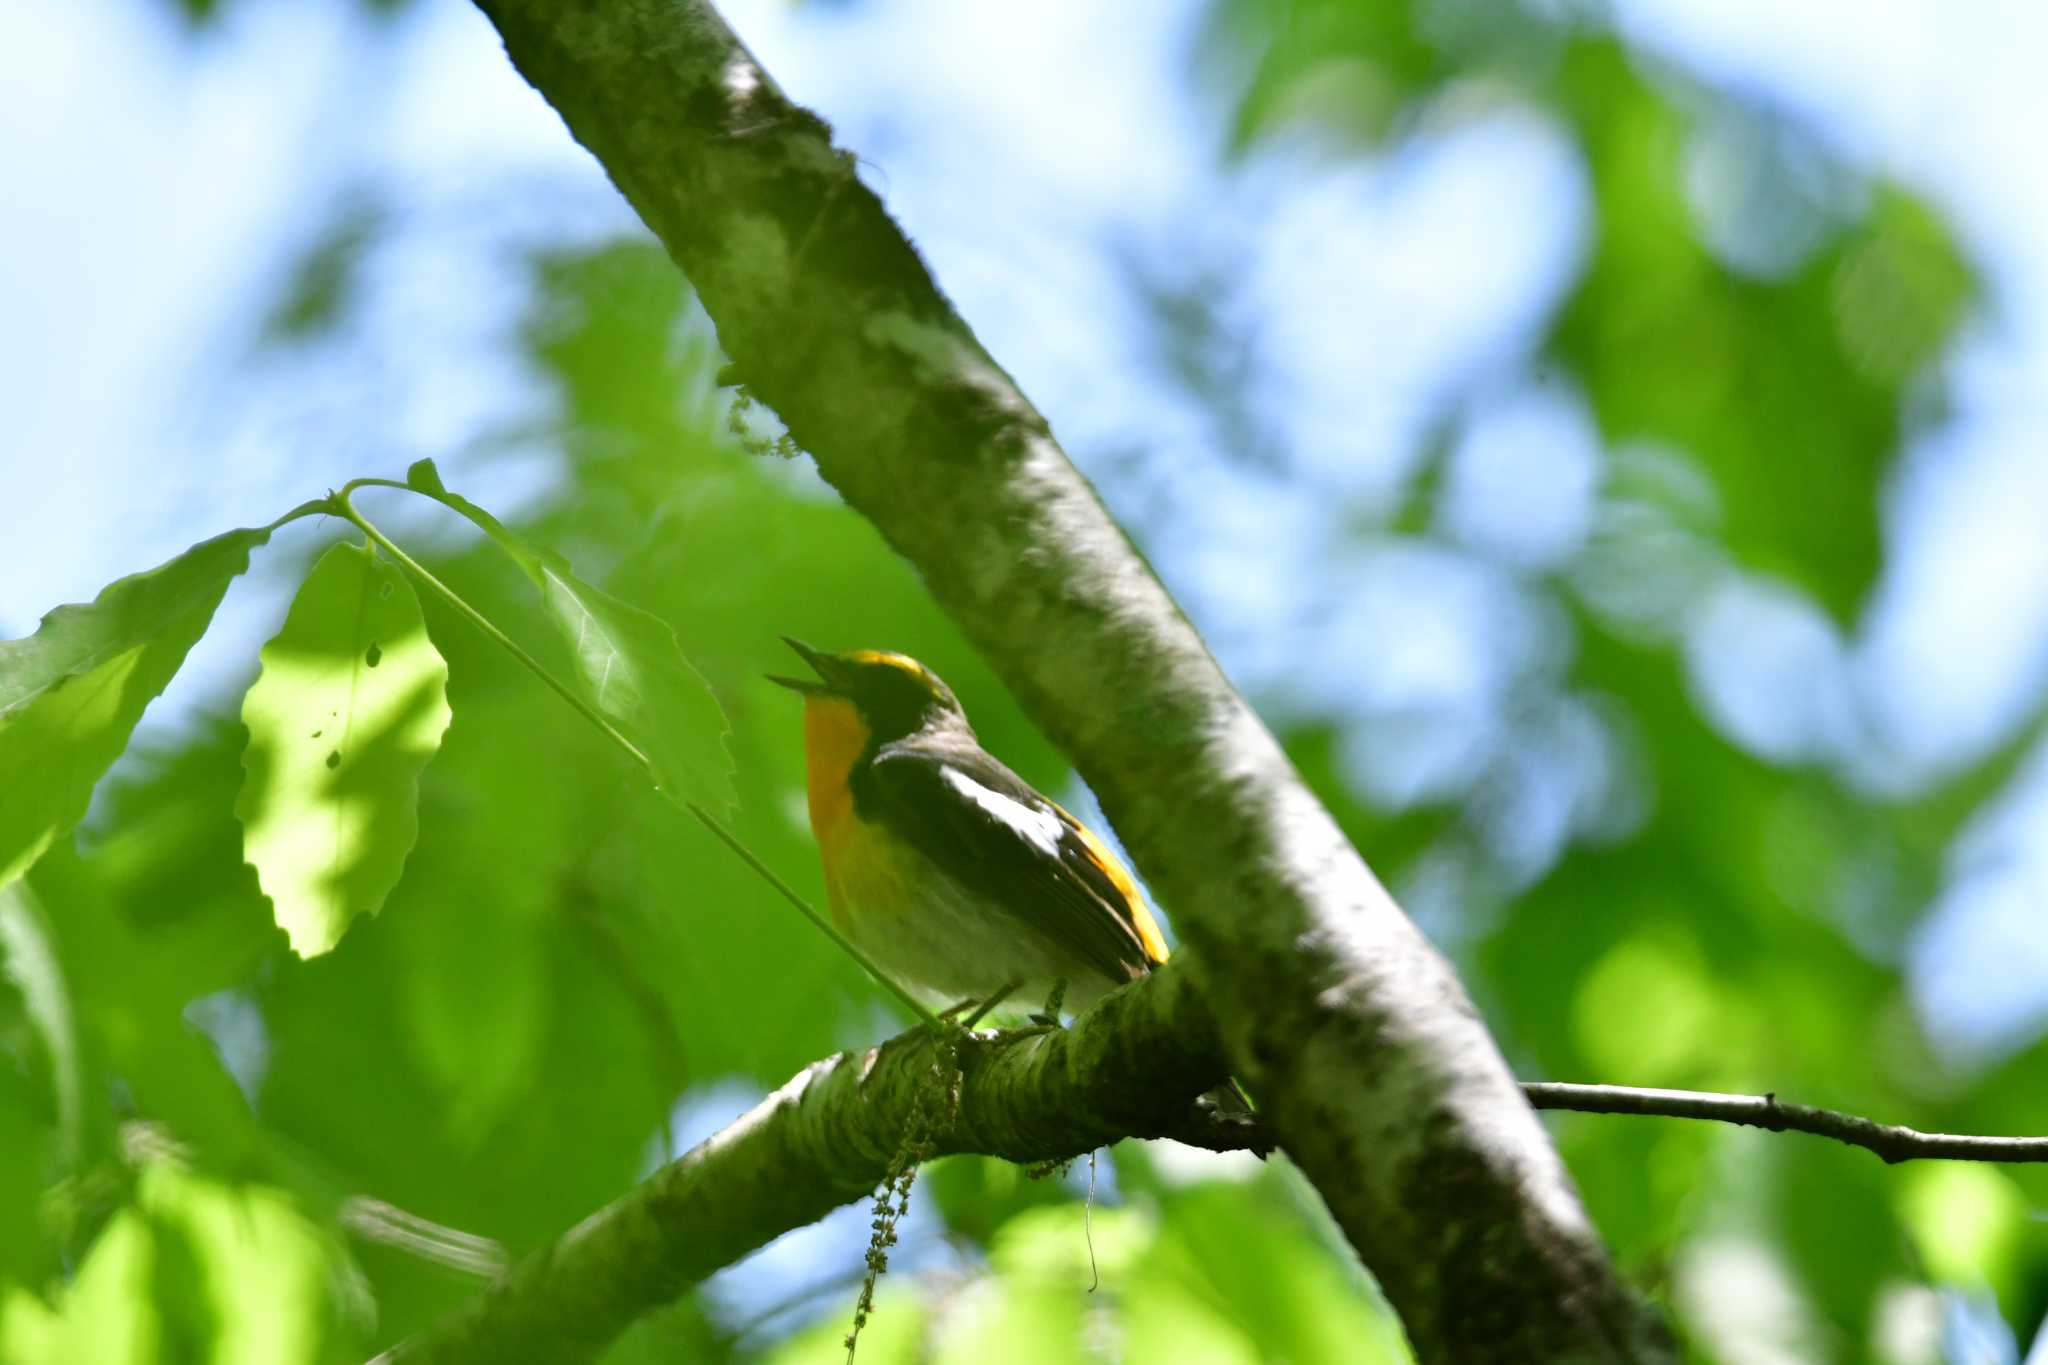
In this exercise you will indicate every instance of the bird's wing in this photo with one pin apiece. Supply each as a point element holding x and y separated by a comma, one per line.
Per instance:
<point>991,832</point>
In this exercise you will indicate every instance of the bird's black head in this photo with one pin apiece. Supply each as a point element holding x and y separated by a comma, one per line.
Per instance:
<point>894,693</point>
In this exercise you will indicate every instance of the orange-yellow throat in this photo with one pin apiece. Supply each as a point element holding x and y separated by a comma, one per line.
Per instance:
<point>834,737</point>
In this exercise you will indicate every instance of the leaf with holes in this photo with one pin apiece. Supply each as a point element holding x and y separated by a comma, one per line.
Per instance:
<point>348,710</point>
<point>71,694</point>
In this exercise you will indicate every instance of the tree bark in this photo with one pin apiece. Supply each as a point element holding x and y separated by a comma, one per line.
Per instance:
<point>1367,1059</point>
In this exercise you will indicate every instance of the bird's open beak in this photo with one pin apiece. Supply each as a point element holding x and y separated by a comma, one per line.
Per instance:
<point>823,664</point>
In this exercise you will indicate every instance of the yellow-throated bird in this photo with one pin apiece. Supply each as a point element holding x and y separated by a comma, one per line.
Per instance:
<point>943,865</point>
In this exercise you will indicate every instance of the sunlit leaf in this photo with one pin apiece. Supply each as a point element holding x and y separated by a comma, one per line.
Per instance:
<point>1647,1013</point>
<point>71,693</point>
<point>1013,1320</point>
<point>894,1335</point>
<point>1968,1222</point>
<point>195,1270</point>
<point>105,1314</point>
<point>630,663</point>
<point>1258,1269</point>
<point>265,1278</point>
<point>349,708</point>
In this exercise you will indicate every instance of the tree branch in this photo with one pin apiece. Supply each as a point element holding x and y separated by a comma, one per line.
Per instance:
<point>1370,1062</point>
<point>1891,1141</point>
<point>1131,1066</point>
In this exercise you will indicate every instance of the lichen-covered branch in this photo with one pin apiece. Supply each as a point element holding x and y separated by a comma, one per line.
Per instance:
<point>1131,1067</point>
<point>1364,1052</point>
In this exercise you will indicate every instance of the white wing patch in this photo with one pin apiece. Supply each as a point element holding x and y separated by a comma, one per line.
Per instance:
<point>1041,827</point>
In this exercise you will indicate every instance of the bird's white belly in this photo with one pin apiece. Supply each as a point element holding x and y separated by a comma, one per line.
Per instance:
<point>935,936</point>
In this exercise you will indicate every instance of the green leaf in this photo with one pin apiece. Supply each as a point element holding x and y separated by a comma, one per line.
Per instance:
<point>71,693</point>
<point>106,1312</point>
<point>476,920</point>
<point>894,1335</point>
<point>348,710</point>
<point>128,1008</point>
<point>194,1269</point>
<point>635,673</point>
<point>26,1252</point>
<point>263,1279</point>
<point>422,477</point>
<point>630,663</point>
<point>1233,1255</point>
<point>1968,1222</point>
<point>29,960</point>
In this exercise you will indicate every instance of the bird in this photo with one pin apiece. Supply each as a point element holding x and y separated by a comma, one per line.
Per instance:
<point>956,876</point>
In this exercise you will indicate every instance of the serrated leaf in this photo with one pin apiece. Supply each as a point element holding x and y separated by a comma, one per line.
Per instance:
<point>71,694</point>
<point>631,665</point>
<point>635,673</point>
<point>348,710</point>
<point>422,477</point>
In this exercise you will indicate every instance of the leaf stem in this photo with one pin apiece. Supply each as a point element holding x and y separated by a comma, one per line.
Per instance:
<point>340,505</point>
<point>346,509</point>
<point>823,925</point>
<point>311,507</point>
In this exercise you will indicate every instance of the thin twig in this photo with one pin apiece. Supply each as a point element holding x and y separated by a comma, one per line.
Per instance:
<point>347,511</point>
<point>818,921</point>
<point>1893,1142</point>
<point>376,1221</point>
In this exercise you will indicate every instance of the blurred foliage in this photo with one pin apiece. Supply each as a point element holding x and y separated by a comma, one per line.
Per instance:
<point>202,15</point>
<point>327,277</point>
<point>1756,330</point>
<point>1217,1271</point>
<point>567,968</point>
